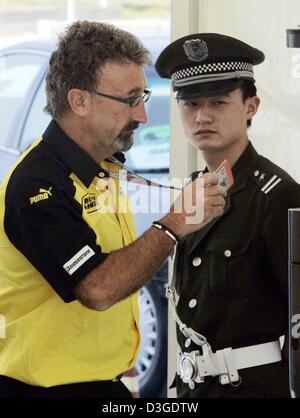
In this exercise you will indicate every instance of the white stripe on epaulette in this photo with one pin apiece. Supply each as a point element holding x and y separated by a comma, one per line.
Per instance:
<point>272,186</point>
<point>269,183</point>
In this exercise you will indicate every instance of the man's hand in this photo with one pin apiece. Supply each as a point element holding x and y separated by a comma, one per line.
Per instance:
<point>198,204</point>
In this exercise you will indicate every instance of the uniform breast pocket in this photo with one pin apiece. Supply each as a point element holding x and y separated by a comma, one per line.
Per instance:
<point>230,264</point>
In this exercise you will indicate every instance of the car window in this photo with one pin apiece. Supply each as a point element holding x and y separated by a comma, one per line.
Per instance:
<point>17,72</point>
<point>37,120</point>
<point>151,140</point>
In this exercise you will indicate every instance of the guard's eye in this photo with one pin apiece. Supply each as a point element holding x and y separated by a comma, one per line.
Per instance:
<point>188,103</point>
<point>219,102</point>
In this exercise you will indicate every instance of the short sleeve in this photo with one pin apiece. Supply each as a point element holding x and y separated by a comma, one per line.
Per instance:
<point>48,229</point>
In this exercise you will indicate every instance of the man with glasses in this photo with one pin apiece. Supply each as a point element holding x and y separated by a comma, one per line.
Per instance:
<point>70,264</point>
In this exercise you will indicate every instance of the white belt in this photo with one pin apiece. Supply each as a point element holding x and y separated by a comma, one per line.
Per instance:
<point>193,367</point>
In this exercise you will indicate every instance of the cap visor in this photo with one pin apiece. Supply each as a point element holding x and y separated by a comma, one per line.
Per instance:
<point>212,88</point>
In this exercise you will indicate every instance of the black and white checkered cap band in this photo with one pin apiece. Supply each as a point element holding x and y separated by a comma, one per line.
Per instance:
<point>212,72</point>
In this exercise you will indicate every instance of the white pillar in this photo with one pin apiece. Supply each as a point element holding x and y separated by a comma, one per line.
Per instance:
<point>183,157</point>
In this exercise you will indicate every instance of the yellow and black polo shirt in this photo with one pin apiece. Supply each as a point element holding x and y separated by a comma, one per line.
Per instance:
<point>61,214</point>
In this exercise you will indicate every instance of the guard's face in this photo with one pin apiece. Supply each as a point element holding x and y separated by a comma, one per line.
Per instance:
<point>220,122</point>
<point>113,123</point>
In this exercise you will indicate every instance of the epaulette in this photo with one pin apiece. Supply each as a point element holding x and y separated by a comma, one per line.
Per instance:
<point>265,180</point>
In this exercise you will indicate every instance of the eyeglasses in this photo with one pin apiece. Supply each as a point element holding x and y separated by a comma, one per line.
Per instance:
<point>133,101</point>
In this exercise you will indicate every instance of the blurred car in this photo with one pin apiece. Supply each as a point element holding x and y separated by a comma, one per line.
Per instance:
<point>23,67</point>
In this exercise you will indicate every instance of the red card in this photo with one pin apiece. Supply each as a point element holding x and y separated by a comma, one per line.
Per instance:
<point>225,175</point>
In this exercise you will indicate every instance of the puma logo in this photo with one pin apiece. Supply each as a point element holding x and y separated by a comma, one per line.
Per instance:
<point>43,194</point>
<point>46,191</point>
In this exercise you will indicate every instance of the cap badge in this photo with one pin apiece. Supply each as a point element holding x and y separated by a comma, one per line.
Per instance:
<point>195,49</point>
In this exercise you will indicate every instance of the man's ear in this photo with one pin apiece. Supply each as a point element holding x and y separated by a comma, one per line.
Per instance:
<point>79,101</point>
<point>252,104</point>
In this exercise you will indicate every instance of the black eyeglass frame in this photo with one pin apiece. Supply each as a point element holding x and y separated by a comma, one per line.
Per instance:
<point>132,102</point>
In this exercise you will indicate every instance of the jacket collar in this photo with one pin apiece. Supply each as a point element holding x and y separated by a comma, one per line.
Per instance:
<point>243,168</point>
<point>72,155</point>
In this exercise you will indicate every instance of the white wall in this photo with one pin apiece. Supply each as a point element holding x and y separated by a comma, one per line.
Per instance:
<point>263,24</point>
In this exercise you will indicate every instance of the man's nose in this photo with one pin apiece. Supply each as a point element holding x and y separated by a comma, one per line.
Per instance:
<point>203,115</point>
<point>139,113</point>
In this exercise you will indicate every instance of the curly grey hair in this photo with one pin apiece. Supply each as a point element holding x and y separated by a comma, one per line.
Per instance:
<point>82,51</point>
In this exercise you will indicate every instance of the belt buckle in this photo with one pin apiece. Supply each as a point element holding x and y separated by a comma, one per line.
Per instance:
<point>188,369</point>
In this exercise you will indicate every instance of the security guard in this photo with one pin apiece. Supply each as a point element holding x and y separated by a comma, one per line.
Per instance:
<point>229,290</point>
<point>70,266</point>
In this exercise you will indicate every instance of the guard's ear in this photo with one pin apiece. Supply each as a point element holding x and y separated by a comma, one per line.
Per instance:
<point>252,104</point>
<point>79,101</point>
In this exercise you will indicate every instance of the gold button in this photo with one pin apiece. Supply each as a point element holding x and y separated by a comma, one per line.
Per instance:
<point>101,184</point>
<point>227,253</point>
<point>101,174</point>
<point>197,261</point>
